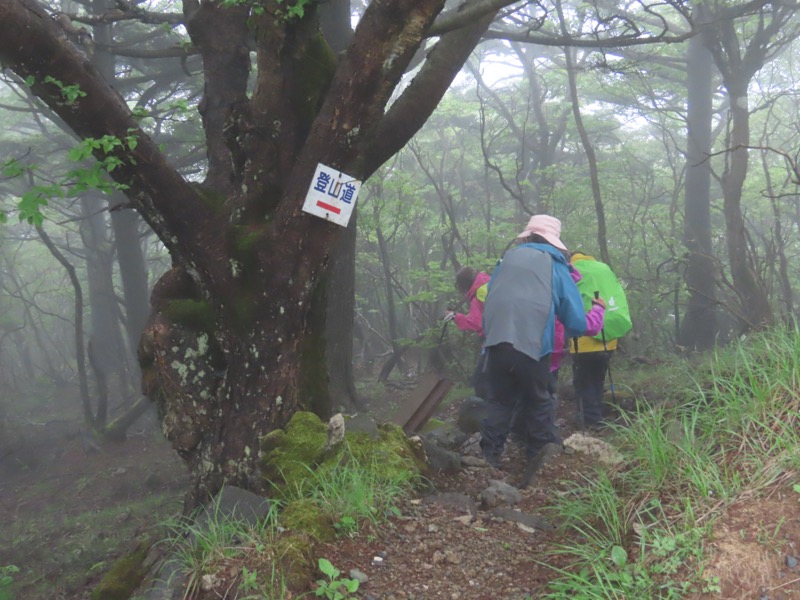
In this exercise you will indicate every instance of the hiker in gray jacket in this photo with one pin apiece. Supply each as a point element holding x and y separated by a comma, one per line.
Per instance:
<point>529,288</point>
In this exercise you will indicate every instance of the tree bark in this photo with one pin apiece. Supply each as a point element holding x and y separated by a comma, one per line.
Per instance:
<point>698,329</point>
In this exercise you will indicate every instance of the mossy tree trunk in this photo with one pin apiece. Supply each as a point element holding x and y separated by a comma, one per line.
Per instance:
<point>222,353</point>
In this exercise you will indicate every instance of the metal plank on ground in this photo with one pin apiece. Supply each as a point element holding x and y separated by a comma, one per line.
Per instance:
<point>422,402</point>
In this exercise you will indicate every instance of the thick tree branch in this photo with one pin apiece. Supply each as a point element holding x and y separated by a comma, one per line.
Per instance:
<point>423,94</point>
<point>33,46</point>
<point>594,42</point>
<point>466,15</point>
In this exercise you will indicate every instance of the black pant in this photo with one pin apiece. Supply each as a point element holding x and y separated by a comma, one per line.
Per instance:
<point>480,378</point>
<point>517,380</point>
<point>589,379</point>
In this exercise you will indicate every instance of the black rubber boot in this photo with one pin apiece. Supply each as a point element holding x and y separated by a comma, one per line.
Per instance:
<point>535,464</point>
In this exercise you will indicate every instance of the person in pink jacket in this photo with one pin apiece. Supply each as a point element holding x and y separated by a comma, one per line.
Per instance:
<point>594,323</point>
<point>474,285</point>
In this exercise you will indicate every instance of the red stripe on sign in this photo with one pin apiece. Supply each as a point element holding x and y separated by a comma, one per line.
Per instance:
<point>333,209</point>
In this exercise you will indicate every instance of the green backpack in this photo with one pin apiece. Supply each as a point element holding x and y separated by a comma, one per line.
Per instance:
<point>597,276</point>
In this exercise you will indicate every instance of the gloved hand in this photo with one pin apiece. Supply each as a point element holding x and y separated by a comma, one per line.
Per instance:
<point>449,316</point>
<point>599,301</point>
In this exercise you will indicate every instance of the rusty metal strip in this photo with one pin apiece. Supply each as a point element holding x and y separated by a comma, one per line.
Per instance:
<point>419,410</point>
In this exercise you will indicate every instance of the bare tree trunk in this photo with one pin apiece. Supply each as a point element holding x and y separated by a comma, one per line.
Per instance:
<point>391,312</point>
<point>602,236</point>
<point>699,329</point>
<point>738,66</point>
<point>80,355</point>
<point>105,334</point>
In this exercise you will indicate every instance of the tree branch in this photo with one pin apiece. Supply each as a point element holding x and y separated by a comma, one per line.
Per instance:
<point>33,46</point>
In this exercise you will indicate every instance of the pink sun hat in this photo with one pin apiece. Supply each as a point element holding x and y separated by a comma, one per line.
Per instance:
<point>546,226</point>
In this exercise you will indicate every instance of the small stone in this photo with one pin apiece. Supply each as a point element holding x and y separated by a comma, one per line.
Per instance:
<point>382,554</point>
<point>123,516</point>
<point>377,561</point>
<point>359,575</point>
<point>432,528</point>
<point>791,562</point>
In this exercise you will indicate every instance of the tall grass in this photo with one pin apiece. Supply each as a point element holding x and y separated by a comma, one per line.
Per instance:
<point>640,527</point>
<point>361,490</point>
<point>356,493</point>
<point>200,548</point>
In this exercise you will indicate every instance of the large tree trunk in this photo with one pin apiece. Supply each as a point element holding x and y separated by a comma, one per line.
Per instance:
<point>754,301</point>
<point>222,353</point>
<point>698,329</point>
<point>108,350</point>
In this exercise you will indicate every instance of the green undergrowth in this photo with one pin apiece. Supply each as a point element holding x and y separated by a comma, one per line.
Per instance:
<point>728,430</point>
<point>319,494</point>
<point>59,550</point>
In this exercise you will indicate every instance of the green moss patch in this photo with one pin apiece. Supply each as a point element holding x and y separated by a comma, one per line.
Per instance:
<point>124,576</point>
<point>195,314</point>
<point>306,515</point>
<point>297,455</point>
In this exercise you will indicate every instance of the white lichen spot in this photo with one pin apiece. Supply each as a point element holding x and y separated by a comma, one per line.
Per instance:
<point>181,369</point>
<point>202,347</point>
<point>278,401</point>
<point>247,451</point>
<point>281,310</point>
<point>204,395</point>
<point>236,268</point>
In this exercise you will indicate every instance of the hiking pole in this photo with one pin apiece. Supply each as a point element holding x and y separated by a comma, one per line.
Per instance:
<point>441,337</point>
<point>608,366</point>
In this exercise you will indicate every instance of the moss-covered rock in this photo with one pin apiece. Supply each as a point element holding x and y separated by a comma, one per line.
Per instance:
<point>294,457</point>
<point>305,515</point>
<point>290,454</point>
<point>294,552</point>
<point>124,576</point>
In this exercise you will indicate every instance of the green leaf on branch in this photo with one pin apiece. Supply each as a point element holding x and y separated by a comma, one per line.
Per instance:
<point>30,206</point>
<point>70,93</point>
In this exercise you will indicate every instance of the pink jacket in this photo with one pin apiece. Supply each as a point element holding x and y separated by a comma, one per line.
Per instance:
<point>473,320</point>
<point>594,323</point>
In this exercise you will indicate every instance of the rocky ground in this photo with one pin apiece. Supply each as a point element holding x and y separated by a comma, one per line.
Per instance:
<point>475,534</point>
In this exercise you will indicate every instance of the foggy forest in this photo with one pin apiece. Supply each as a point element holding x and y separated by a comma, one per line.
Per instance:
<point>230,233</point>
